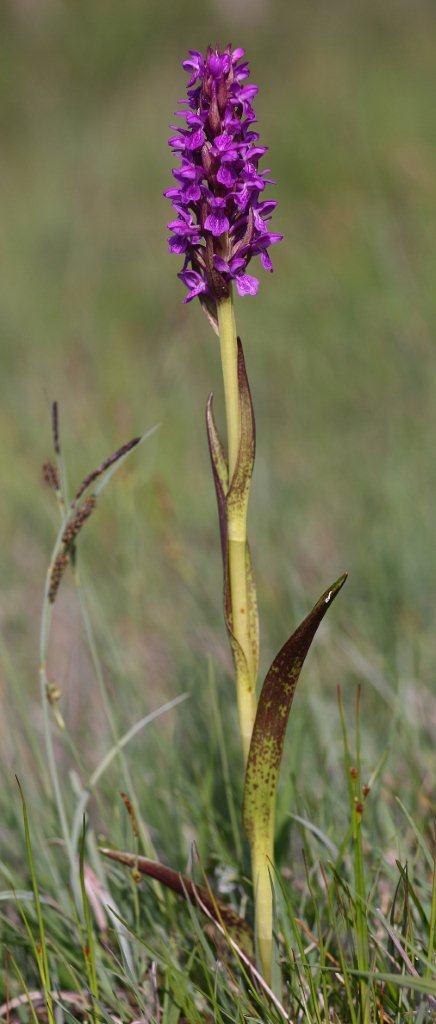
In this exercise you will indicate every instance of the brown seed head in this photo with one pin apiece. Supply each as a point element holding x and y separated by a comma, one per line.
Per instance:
<point>96,473</point>
<point>76,523</point>
<point>50,475</point>
<point>59,566</point>
<point>131,812</point>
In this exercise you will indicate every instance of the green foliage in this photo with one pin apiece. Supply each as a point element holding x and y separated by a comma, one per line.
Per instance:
<point>274,706</point>
<point>265,759</point>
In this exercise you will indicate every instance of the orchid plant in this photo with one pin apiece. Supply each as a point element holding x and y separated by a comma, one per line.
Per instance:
<point>222,224</point>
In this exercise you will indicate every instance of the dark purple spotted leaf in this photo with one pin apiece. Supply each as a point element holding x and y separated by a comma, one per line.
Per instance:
<point>269,730</point>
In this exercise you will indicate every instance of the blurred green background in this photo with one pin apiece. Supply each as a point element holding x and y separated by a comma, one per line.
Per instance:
<point>339,345</point>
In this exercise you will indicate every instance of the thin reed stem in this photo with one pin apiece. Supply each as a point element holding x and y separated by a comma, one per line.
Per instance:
<point>46,620</point>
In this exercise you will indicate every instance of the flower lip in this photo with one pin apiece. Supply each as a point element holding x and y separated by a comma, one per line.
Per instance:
<point>222,218</point>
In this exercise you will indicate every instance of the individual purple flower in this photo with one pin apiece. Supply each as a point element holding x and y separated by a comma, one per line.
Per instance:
<point>222,218</point>
<point>194,282</point>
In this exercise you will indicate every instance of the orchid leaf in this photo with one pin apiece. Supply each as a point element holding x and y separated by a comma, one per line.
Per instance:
<point>220,474</point>
<point>274,705</point>
<point>263,765</point>
<point>237,497</point>
<point>216,446</point>
<point>198,895</point>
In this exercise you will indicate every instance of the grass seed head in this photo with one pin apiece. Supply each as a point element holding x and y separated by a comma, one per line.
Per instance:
<point>75,525</point>
<point>50,475</point>
<point>59,567</point>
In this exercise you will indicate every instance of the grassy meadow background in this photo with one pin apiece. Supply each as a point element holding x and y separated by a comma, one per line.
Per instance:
<point>340,350</point>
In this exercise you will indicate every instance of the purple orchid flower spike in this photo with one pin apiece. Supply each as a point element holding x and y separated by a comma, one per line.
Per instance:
<point>222,216</point>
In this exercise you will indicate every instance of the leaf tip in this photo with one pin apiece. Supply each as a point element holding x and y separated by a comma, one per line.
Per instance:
<point>332,591</point>
<point>209,404</point>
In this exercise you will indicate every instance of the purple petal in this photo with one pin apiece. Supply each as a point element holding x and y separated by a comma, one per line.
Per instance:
<point>257,151</point>
<point>187,172</point>
<point>242,72</point>
<point>196,140</point>
<point>184,227</point>
<point>219,64</point>
<point>217,202</point>
<point>243,197</point>
<point>176,142</point>
<point>223,142</point>
<point>176,225</point>
<point>177,244</point>
<point>236,264</point>
<point>230,156</point>
<point>267,206</point>
<point>246,284</point>
<point>248,92</point>
<point>194,282</point>
<point>266,262</point>
<point>220,264</point>
<point>226,176</point>
<point>195,65</point>
<point>191,194</point>
<point>216,224</point>
<point>195,291</point>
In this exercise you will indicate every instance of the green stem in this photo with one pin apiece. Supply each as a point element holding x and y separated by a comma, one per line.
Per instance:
<point>237,531</point>
<point>262,859</point>
<point>46,620</point>
<point>229,360</point>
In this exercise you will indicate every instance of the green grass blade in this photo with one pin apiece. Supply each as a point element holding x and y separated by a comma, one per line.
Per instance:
<point>89,948</point>
<point>41,948</point>
<point>432,928</point>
